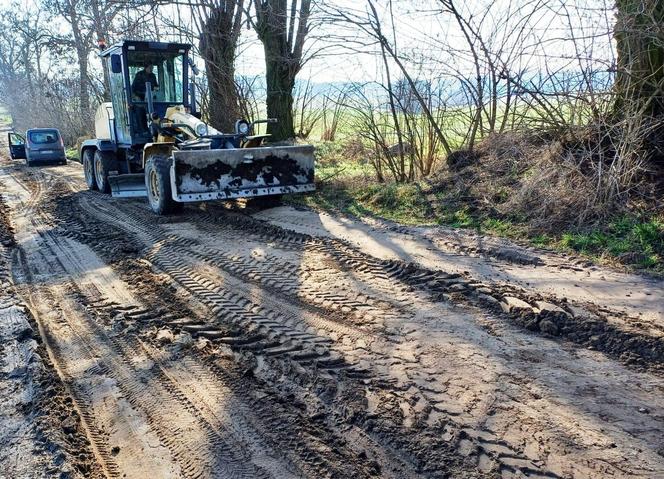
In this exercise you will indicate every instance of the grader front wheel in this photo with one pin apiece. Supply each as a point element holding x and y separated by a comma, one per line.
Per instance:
<point>158,185</point>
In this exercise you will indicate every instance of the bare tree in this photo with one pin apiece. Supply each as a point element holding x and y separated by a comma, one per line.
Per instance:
<point>282,28</point>
<point>639,34</point>
<point>220,24</point>
<point>88,22</point>
<point>307,111</point>
<point>333,114</point>
<point>250,95</point>
<point>80,41</point>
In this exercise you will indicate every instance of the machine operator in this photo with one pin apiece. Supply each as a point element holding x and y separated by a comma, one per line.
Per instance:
<point>143,76</point>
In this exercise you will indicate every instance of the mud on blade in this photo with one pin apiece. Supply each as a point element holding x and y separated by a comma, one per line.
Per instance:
<point>199,175</point>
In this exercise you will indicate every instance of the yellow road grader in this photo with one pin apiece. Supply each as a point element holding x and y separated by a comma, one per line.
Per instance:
<point>150,141</point>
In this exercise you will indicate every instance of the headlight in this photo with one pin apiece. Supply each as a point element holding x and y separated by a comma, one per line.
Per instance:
<point>242,127</point>
<point>201,129</point>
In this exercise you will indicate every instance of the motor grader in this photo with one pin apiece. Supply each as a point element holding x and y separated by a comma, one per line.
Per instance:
<point>150,141</point>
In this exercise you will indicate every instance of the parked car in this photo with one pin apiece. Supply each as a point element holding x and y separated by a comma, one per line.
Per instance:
<point>43,145</point>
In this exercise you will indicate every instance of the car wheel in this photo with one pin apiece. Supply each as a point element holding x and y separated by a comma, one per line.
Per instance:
<point>89,168</point>
<point>158,185</point>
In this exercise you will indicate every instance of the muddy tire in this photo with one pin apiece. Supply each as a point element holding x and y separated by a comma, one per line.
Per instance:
<point>105,161</point>
<point>89,168</point>
<point>158,185</point>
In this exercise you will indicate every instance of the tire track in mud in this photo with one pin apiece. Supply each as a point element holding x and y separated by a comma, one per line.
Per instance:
<point>196,441</point>
<point>270,350</point>
<point>77,392</point>
<point>317,465</point>
<point>390,272</point>
<point>46,303</point>
<point>480,443</point>
<point>159,402</point>
<point>307,444</point>
<point>580,326</point>
<point>47,410</point>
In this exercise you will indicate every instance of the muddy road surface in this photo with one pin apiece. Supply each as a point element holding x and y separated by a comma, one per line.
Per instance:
<point>231,342</point>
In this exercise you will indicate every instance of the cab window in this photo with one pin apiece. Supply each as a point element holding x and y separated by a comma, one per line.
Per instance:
<point>164,70</point>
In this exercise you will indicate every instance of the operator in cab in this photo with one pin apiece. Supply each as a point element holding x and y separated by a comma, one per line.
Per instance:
<point>143,76</point>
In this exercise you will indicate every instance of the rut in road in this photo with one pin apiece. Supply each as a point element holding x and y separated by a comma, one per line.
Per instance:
<point>480,443</point>
<point>387,369</point>
<point>135,399</point>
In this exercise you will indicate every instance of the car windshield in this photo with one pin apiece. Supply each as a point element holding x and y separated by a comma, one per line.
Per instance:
<point>44,136</point>
<point>164,72</point>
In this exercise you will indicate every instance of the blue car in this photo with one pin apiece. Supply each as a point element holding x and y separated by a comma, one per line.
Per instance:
<point>40,145</point>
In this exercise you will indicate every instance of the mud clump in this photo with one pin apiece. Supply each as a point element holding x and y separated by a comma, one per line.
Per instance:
<point>536,314</point>
<point>6,230</point>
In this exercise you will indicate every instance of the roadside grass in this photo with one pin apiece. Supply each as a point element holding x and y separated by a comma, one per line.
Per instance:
<point>72,153</point>
<point>629,239</point>
<point>403,204</point>
<point>632,239</point>
<point>5,117</point>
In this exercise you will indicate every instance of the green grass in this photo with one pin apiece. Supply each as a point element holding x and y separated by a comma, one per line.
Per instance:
<point>72,153</point>
<point>404,203</point>
<point>629,238</point>
<point>401,203</point>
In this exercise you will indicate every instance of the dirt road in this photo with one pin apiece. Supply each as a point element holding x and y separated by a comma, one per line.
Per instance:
<point>227,342</point>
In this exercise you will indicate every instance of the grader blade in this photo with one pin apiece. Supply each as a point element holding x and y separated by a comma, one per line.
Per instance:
<point>200,175</point>
<point>128,186</point>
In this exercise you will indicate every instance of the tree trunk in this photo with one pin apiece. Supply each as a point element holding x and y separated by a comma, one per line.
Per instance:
<point>640,75</point>
<point>82,52</point>
<point>218,43</point>
<point>283,45</point>
<point>101,22</point>
<point>224,108</point>
<point>84,92</point>
<point>280,83</point>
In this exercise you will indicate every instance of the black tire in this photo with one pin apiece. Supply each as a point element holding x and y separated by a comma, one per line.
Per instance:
<point>89,168</point>
<point>105,161</point>
<point>29,163</point>
<point>158,185</point>
<point>265,202</point>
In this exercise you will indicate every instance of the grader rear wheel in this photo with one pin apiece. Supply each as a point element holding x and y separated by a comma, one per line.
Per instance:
<point>89,168</point>
<point>104,162</point>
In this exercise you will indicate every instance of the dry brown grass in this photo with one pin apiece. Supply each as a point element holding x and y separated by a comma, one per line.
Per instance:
<point>548,181</point>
